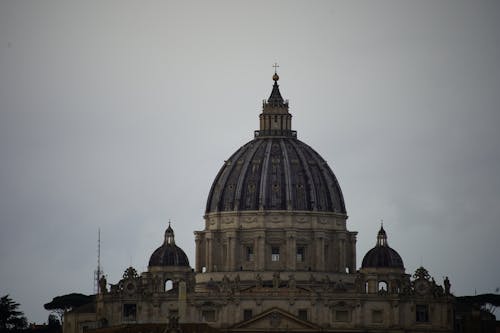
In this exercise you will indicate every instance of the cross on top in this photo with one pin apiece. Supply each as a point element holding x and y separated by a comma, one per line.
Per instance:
<point>275,66</point>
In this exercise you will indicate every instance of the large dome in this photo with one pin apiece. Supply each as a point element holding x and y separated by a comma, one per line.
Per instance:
<point>275,173</point>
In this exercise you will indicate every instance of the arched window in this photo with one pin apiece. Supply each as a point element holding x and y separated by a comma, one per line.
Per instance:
<point>169,285</point>
<point>382,286</point>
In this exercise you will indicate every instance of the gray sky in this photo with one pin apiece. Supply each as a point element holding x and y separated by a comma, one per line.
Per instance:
<point>118,115</point>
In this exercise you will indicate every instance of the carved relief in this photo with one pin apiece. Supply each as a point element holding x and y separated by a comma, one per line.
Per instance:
<point>302,219</point>
<point>227,219</point>
<point>276,219</point>
<point>250,219</point>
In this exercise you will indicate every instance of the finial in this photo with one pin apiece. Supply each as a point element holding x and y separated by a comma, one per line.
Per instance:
<point>381,236</point>
<point>275,76</point>
<point>169,234</point>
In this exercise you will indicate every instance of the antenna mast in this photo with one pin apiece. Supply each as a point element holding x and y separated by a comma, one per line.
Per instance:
<point>98,272</point>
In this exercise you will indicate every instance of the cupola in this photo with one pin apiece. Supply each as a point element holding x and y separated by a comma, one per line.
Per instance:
<point>169,254</point>
<point>382,256</point>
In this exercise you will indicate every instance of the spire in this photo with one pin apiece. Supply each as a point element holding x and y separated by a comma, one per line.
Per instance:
<point>169,235</point>
<point>381,236</point>
<point>275,99</point>
<point>275,120</point>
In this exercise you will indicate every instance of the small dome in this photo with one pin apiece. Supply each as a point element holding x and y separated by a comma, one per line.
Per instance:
<point>169,254</point>
<point>382,256</point>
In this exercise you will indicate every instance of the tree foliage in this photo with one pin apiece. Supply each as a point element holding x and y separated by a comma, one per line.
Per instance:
<point>486,302</point>
<point>11,319</point>
<point>481,299</point>
<point>68,302</point>
<point>53,321</point>
<point>61,304</point>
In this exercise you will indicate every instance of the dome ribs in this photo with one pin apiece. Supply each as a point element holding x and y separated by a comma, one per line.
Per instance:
<point>333,200</point>
<point>168,255</point>
<point>288,180</point>
<point>298,180</point>
<point>338,197</point>
<point>326,180</point>
<point>243,174</point>
<point>275,173</point>
<point>382,255</point>
<point>276,178</point>
<point>219,185</point>
<point>309,178</point>
<point>263,177</point>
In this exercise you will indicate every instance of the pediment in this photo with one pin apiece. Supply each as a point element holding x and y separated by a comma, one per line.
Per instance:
<point>275,319</point>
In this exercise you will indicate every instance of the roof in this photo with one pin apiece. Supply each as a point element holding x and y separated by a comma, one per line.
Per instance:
<point>155,328</point>
<point>275,173</point>
<point>169,254</point>
<point>382,255</point>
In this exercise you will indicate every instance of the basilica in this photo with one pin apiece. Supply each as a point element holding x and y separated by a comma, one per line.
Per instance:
<point>274,254</point>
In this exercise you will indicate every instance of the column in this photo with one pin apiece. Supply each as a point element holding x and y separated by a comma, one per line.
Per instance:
<point>198,256</point>
<point>342,253</point>
<point>319,240</point>
<point>231,247</point>
<point>352,261</point>
<point>260,252</point>
<point>208,252</point>
<point>182,301</point>
<point>291,250</point>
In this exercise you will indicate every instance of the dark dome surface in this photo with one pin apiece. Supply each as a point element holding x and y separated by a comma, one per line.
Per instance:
<point>382,256</point>
<point>275,173</point>
<point>169,254</point>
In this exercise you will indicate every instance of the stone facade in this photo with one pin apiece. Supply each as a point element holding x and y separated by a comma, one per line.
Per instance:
<point>275,254</point>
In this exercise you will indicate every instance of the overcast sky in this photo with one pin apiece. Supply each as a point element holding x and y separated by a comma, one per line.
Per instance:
<point>118,114</point>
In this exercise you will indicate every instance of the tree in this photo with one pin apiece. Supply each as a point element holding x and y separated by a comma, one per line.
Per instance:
<point>53,321</point>
<point>11,319</point>
<point>486,302</point>
<point>61,304</point>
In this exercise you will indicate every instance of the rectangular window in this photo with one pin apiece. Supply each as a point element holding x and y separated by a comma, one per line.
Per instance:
<point>247,314</point>
<point>422,313</point>
<point>302,314</point>
<point>377,317</point>
<point>275,254</point>
<point>208,315</point>
<point>129,312</point>
<point>301,254</point>
<point>249,253</point>
<point>342,315</point>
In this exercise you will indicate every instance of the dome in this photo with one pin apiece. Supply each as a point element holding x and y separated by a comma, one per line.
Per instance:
<point>169,254</point>
<point>275,171</point>
<point>382,256</point>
